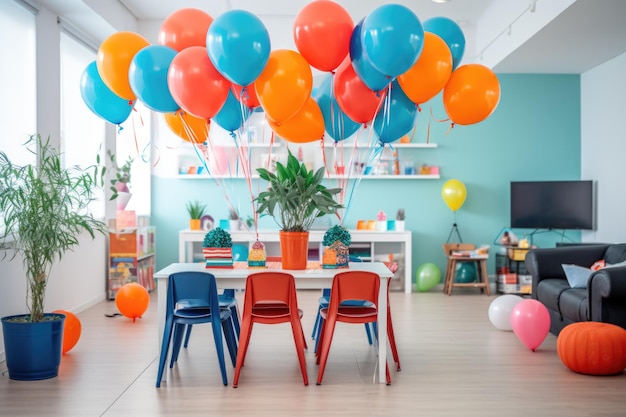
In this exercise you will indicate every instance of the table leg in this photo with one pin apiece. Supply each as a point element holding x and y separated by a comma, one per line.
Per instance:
<point>382,331</point>
<point>161,305</point>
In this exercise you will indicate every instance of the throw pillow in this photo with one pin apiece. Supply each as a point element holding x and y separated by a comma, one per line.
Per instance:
<point>577,276</point>
<point>623,263</point>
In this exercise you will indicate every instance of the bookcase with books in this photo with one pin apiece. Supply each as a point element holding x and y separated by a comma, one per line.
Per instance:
<point>131,258</point>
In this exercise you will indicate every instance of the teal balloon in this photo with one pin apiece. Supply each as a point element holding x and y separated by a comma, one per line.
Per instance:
<point>427,276</point>
<point>465,273</point>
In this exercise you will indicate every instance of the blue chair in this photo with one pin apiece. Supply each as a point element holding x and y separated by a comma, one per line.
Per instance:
<point>227,298</point>
<point>192,299</point>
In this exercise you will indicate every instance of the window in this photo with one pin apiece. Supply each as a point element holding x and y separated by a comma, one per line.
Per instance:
<point>82,132</point>
<point>18,108</point>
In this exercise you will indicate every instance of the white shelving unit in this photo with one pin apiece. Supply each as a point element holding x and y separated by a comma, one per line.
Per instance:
<point>376,243</point>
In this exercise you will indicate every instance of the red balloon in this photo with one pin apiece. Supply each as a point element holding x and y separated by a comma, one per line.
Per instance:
<point>356,100</point>
<point>71,330</point>
<point>471,94</point>
<point>195,84</point>
<point>246,94</point>
<point>132,300</point>
<point>322,32</point>
<point>185,28</point>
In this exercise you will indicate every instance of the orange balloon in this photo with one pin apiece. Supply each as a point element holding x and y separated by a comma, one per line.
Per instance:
<point>284,85</point>
<point>184,28</point>
<point>132,300</point>
<point>425,79</point>
<point>114,58</point>
<point>306,126</point>
<point>71,330</point>
<point>322,32</point>
<point>190,128</point>
<point>471,95</point>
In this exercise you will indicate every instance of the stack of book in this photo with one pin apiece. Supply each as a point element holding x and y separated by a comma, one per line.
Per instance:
<point>218,257</point>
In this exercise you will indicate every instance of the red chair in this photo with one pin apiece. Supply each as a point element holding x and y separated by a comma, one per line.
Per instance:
<point>270,298</point>
<point>350,285</point>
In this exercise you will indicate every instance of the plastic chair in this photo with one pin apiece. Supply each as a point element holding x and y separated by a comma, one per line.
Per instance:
<point>349,285</point>
<point>192,299</point>
<point>323,303</point>
<point>227,298</point>
<point>270,299</point>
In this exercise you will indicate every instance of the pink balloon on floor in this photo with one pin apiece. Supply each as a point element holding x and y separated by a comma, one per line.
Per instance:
<point>530,322</point>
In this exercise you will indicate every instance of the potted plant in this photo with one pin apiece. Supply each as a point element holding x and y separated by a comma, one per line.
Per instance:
<point>400,220</point>
<point>196,210</point>
<point>336,241</point>
<point>295,198</point>
<point>217,249</point>
<point>45,209</point>
<point>233,219</point>
<point>120,181</point>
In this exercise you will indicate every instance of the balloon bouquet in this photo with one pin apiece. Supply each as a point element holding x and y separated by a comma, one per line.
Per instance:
<point>205,70</point>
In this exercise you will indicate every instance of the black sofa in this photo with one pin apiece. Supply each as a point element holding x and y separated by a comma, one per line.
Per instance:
<point>603,300</point>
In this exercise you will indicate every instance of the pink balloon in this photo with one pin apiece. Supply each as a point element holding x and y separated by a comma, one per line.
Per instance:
<point>195,84</point>
<point>530,322</point>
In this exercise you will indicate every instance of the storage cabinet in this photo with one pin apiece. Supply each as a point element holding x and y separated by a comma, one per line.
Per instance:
<point>512,277</point>
<point>131,258</point>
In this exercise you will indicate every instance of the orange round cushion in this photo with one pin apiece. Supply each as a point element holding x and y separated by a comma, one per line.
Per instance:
<point>593,348</point>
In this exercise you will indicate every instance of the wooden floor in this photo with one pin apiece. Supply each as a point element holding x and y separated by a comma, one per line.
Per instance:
<point>454,363</point>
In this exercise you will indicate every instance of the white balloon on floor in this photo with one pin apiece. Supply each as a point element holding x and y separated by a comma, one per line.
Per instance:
<point>500,311</point>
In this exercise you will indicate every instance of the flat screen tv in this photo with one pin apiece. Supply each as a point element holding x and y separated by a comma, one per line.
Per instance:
<point>552,205</point>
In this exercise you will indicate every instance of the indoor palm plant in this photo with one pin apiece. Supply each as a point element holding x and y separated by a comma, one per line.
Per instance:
<point>295,197</point>
<point>44,208</point>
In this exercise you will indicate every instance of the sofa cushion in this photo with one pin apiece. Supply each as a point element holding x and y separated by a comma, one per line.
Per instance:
<point>577,276</point>
<point>615,254</point>
<point>557,295</point>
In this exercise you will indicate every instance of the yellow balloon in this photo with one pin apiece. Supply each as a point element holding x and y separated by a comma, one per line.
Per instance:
<point>454,193</point>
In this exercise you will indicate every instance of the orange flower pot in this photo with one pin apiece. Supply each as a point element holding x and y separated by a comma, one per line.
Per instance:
<point>195,224</point>
<point>294,248</point>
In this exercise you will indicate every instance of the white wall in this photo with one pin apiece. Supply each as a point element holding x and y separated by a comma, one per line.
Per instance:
<point>603,148</point>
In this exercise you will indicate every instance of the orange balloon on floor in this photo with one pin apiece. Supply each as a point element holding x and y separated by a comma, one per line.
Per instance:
<point>132,300</point>
<point>71,330</point>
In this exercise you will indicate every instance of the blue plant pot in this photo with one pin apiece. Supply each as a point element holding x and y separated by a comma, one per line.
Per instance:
<point>33,350</point>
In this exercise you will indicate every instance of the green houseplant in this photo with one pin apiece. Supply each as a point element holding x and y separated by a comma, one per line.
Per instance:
<point>196,210</point>
<point>295,197</point>
<point>44,208</point>
<point>120,180</point>
<point>217,249</point>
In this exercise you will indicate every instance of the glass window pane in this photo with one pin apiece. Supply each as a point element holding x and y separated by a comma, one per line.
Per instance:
<point>18,111</point>
<point>82,132</point>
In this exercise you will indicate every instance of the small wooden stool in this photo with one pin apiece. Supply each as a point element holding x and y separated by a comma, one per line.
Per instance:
<point>483,278</point>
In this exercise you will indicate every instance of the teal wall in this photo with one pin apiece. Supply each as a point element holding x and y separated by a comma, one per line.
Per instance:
<point>534,134</point>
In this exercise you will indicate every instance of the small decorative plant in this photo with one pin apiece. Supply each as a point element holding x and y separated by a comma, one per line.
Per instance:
<point>196,209</point>
<point>121,175</point>
<point>217,238</point>
<point>400,214</point>
<point>337,233</point>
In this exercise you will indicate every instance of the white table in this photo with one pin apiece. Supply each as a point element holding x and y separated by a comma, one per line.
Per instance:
<point>380,243</point>
<point>305,279</point>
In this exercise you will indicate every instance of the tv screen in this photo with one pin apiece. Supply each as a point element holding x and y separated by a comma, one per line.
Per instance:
<point>552,205</point>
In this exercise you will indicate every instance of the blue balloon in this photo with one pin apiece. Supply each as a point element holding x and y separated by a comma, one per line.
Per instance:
<point>239,46</point>
<point>230,116</point>
<point>371,77</point>
<point>336,123</point>
<point>100,99</point>
<point>393,38</point>
<point>147,76</point>
<point>452,35</point>
<point>397,116</point>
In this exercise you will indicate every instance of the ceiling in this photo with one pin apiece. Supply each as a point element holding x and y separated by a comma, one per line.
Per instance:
<point>516,36</point>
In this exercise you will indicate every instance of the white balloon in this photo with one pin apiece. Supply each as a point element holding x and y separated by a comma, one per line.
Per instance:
<point>500,311</point>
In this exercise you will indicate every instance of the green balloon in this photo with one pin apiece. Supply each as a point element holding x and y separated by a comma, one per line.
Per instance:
<point>466,273</point>
<point>427,276</point>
